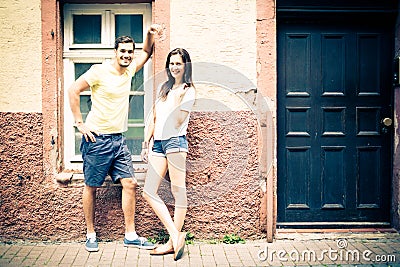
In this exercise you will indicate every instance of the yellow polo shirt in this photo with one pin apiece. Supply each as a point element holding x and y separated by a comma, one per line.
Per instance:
<point>110,97</point>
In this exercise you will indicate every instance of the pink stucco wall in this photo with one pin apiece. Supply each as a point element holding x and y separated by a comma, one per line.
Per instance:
<point>222,184</point>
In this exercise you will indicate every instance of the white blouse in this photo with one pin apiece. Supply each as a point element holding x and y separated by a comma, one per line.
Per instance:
<point>166,125</point>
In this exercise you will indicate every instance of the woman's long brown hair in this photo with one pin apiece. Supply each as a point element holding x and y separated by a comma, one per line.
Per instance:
<point>187,76</point>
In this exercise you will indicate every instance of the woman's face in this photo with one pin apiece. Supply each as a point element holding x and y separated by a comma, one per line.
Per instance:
<point>177,67</point>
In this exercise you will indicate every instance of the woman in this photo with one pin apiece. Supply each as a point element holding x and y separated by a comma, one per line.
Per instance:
<point>168,127</point>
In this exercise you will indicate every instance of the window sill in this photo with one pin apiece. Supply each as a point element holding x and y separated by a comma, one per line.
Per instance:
<point>75,178</point>
<point>136,160</point>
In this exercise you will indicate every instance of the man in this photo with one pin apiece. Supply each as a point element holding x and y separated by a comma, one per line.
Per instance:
<point>103,147</point>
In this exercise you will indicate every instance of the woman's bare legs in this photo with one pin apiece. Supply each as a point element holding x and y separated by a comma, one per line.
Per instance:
<point>176,164</point>
<point>155,174</point>
<point>177,174</point>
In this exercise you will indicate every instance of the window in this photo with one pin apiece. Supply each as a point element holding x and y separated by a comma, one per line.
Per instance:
<point>89,34</point>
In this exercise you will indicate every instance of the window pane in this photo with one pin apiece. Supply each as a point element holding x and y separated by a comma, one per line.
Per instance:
<point>131,25</point>
<point>87,29</point>
<point>78,140</point>
<point>136,109</point>
<point>81,68</point>
<point>86,104</point>
<point>134,138</point>
<point>137,81</point>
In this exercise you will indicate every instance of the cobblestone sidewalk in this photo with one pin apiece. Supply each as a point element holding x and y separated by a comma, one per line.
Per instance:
<point>287,250</point>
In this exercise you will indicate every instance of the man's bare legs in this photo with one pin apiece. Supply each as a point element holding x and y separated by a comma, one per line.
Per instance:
<point>89,203</point>
<point>129,203</point>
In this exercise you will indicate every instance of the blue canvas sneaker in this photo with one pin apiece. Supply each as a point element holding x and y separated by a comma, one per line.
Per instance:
<point>92,245</point>
<point>140,242</point>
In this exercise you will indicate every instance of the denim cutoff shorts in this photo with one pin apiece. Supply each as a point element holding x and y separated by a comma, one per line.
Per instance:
<point>174,144</point>
<point>108,155</point>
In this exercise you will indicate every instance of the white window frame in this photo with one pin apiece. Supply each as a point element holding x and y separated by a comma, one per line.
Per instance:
<point>98,53</point>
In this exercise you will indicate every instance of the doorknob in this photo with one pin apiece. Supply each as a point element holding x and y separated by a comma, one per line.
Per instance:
<point>387,122</point>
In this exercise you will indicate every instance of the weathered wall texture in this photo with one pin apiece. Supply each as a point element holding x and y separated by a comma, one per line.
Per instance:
<point>222,184</point>
<point>20,53</point>
<point>223,178</point>
<point>222,32</point>
<point>396,163</point>
<point>396,154</point>
<point>266,107</point>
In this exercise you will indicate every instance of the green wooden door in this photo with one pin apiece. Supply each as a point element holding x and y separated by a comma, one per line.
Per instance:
<point>334,90</point>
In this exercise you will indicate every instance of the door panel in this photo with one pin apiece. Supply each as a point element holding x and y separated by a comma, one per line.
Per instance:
<point>334,88</point>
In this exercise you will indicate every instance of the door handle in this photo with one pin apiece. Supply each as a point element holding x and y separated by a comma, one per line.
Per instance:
<point>387,122</point>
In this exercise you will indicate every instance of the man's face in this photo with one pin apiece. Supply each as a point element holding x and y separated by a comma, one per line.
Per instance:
<point>124,54</point>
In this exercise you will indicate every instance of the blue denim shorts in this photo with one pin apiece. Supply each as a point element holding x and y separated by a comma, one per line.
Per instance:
<point>175,144</point>
<point>109,155</point>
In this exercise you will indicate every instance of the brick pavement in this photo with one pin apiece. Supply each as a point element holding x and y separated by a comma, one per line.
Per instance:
<point>333,249</point>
